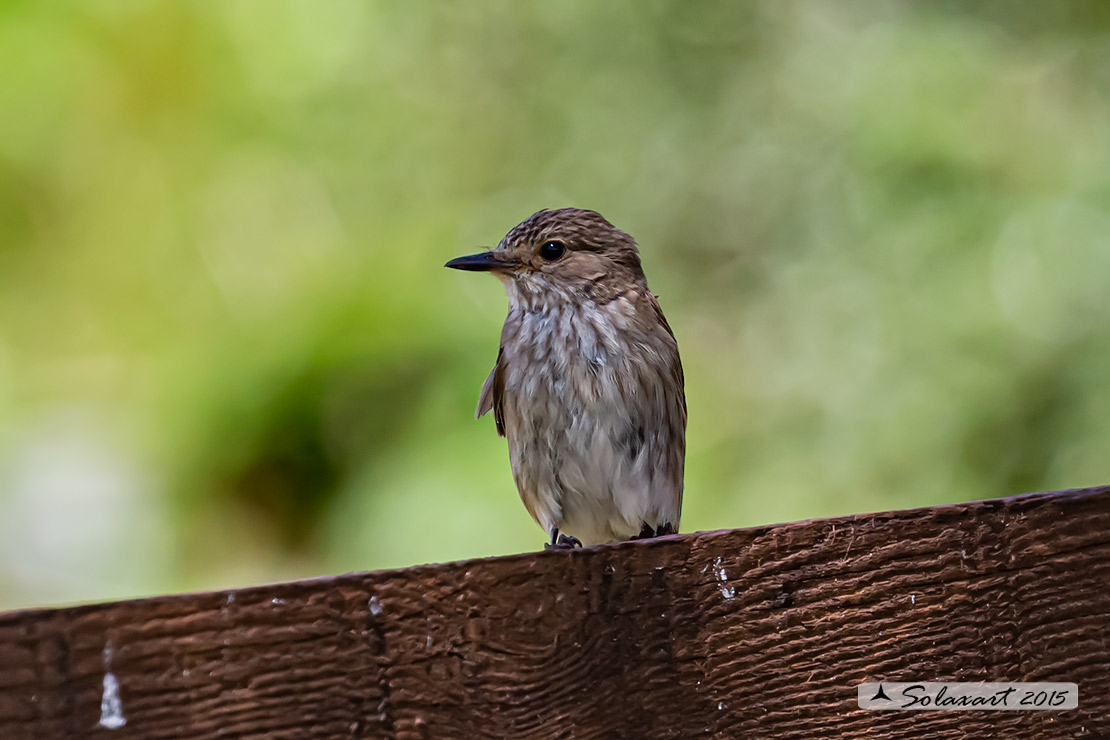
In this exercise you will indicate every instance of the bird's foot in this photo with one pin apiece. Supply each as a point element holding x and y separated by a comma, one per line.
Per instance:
<point>646,531</point>
<point>562,542</point>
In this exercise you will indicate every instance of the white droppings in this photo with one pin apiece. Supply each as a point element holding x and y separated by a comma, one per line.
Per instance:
<point>722,577</point>
<point>231,597</point>
<point>913,598</point>
<point>429,641</point>
<point>276,601</point>
<point>111,708</point>
<point>375,606</point>
<point>720,706</point>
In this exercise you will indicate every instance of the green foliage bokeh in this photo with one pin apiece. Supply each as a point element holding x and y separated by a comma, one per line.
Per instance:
<point>229,352</point>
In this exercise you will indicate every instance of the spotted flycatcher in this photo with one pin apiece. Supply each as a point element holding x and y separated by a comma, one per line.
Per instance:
<point>588,384</point>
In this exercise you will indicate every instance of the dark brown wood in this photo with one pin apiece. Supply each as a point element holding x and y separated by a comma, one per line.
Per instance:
<point>754,633</point>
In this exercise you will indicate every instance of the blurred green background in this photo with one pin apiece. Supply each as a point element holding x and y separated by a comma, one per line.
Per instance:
<point>229,352</point>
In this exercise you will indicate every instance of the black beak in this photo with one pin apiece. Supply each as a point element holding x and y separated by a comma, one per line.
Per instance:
<point>482,262</point>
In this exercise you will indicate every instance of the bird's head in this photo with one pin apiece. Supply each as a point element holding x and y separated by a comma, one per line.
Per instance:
<point>566,252</point>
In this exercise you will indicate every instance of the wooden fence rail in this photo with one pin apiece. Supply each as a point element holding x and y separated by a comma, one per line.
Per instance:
<point>753,633</point>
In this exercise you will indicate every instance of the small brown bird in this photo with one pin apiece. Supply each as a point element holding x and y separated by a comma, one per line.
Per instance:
<point>588,384</point>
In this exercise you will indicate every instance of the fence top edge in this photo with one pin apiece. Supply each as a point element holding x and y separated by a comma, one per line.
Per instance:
<point>1011,504</point>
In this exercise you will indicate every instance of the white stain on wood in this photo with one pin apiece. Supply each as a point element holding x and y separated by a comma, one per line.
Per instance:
<point>111,706</point>
<point>722,579</point>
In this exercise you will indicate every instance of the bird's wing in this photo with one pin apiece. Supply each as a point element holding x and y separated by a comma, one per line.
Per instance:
<point>676,369</point>
<point>671,509</point>
<point>492,395</point>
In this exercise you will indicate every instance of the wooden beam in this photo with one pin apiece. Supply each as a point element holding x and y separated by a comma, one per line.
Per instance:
<point>751,633</point>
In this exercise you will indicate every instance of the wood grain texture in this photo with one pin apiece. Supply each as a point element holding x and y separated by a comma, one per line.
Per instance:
<point>754,633</point>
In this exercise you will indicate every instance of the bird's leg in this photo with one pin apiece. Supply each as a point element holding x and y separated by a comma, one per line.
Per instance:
<point>562,541</point>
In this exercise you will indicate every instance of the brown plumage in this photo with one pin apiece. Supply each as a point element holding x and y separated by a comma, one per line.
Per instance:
<point>588,385</point>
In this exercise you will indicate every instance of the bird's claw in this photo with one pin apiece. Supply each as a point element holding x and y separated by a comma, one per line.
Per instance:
<point>562,542</point>
<point>647,532</point>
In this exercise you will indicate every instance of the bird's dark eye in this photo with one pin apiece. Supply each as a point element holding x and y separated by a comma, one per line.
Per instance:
<point>552,251</point>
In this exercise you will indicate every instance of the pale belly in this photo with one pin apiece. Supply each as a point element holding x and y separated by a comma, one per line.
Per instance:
<point>593,457</point>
